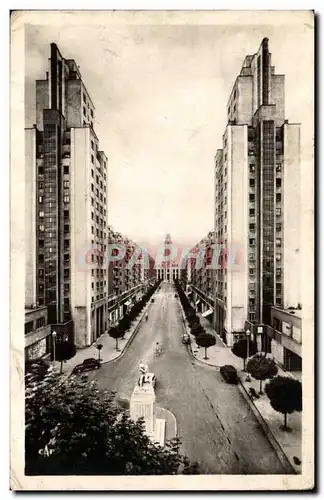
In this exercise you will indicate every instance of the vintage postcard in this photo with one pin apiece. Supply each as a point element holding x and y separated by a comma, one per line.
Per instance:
<point>162,243</point>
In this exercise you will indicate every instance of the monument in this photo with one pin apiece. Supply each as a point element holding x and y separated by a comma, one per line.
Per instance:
<point>142,404</point>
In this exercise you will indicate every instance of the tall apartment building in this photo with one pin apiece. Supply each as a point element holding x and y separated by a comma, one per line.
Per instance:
<point>67,175</point>
<point>257,199</point>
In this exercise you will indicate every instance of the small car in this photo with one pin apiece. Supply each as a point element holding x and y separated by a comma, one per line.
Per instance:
<point>185,339</point>
<point>147,378</point>
<point>229,374</point>
<point>86,365</point>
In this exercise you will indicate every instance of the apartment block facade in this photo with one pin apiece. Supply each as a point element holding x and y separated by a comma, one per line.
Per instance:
<point>66,186</point>
<point>257,200</point>
<point>130,272</point>
<point>167,268</point>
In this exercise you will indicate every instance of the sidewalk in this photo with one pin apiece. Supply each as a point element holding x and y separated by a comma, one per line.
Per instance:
<point>108,351</point>
<point>289,442</point>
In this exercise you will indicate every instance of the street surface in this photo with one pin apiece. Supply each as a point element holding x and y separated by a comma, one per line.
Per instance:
<point>215,424</point>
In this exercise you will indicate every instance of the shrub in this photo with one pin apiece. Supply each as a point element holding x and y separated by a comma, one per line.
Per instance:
<point>285,394</point>
<point>206,340</point>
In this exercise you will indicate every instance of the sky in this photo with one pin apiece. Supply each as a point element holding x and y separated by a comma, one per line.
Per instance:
<point>160,88</point>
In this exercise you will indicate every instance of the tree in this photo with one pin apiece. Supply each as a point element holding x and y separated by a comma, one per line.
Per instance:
<point>99,347</point>
<point>73,429</point>
<point>206,340</point>
<point>197,329</point>
<point>64,351</point>
<point>261,368</point>
<point>240,349</point>
<point>285,394</point>
<point>116,334</point>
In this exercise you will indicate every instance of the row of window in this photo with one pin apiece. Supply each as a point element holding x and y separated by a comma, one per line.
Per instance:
<point>29,326</point>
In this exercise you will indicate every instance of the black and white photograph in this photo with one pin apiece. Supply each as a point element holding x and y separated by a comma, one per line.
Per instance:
<point>162,250</point>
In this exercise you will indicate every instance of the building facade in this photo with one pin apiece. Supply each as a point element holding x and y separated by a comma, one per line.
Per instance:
<point>201,275</point>
<point>167,268</point>
<point>257,199</point>
<point>67,215</point>
<point>130,272</point>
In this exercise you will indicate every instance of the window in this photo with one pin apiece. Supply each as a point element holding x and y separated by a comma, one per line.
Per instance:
<point>278,257</point>
<point>278,211</point>
<point>252,212</point>
<point>66,273</point>
<point>66,287</point>
<point>97,179</point>
<point>66,199</point>
<point>66,169</point>
<point>278,183</point>
<point>91,112</point>
<point>41,213</point>
<point>66,228</point>
<point>29,327</point>
<point>252,227</point>
<point>278,197</point>
<point>92,145</point>
<point>40,170</point>
<point>40,272</point>
<point>252,316</point>
<point>84,98</point>
<point>92,159</point>
<point>84,111</point>
<point>252,271</point>
<point>66,214</point>
<point>66,184</point>
<point>278,227</point>
<point>97,192</point>
<point>91,187</point>
<point>278,167</point>
<point>92,215</point>
<point>251,197</point>
<point>41,243</point>
<point>41,185</point>
<point>92,230</point>
<point>252,241</point>
<point>92,201</point>
<point>66,244</point>
<point>41,228</point>
<point>40,322</point>
<point>278,242</point>
<point>66,303</point>
<point>66,257</point>
<point>252,182</point>
<point>41,257</point>
<point>40,199</point>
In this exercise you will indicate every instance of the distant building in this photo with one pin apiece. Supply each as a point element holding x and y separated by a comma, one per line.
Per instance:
<point>66,206</point>
<point>168,269</point>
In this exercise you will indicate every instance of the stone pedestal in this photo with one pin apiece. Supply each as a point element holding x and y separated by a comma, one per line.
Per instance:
<point>142,404</point>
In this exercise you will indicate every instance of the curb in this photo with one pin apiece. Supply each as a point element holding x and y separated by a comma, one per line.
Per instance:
<point>283,458</point>
<point>127,344</point>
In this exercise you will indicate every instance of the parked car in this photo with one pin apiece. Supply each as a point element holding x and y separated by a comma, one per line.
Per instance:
<point>86,365</point>
<point>229,374</point>
<point>152,300</point>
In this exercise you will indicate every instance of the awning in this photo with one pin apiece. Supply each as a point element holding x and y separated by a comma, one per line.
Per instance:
<point>128,303</point>
<point>197,302</point>
<point>207,313</point>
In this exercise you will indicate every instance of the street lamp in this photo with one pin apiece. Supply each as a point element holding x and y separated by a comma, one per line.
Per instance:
<point>54,341</point>
<point>248,334</point>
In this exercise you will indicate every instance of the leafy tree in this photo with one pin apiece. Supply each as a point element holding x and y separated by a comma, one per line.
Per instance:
<point>240,349</point>
<point>206,340</point>
<point>73,429</point>
<point>35,370</point>
<point>197,329</point>
<point>64,351</point>
<point>285,394</point>
<point>99,347</point>
<point>261,368</point>
<point>116,333</point>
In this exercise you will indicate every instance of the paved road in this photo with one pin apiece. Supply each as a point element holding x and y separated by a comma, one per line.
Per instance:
<point>216,426</point>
